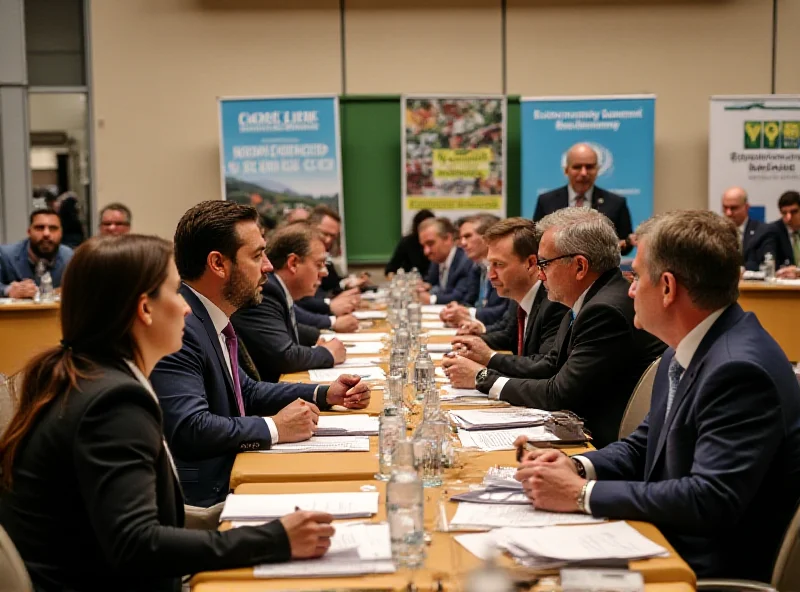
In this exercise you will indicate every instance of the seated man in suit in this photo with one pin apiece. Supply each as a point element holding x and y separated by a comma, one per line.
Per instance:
<point>23,263</point>
<point>736,208</point>
<point>581,192</point>
<point>715,465</point>
<point>785,236</point>
<point>484,303</point>
<point>449,276</point>
<point>598,355</point>
<point>269,330</point>
<point>212,409</point>
<point>513,244</point>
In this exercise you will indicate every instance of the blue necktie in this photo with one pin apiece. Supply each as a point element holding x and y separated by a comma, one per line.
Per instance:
<point>674,374</point>
<point>571,317</point>
<point>484,288</point>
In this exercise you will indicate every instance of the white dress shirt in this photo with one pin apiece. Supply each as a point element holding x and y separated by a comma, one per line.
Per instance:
<point>444,272</point>
<point>220,320</point>
<point>684,354</point>
<point>572,195</point>
<point>741,230</point>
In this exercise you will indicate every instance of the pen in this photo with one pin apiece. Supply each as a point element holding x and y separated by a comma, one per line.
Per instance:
<point>525,447</point>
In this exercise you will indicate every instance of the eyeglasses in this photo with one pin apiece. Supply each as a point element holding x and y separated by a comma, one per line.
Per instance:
<point>543,263</point>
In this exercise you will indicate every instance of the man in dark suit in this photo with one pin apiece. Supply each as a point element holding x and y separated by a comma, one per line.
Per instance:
<point>482,302</point>
<point>581,192</point>
<point>598,355</point>
<point>513,245</point>
<point>212,409</point>
<point>736,208</point>
<point>716,463</point>
<point>784,236</point>
<point>448,278</point>
<point>270,330</point>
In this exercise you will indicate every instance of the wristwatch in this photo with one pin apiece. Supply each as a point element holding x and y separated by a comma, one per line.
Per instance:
<point>580,468</point>
<point>481,377</point>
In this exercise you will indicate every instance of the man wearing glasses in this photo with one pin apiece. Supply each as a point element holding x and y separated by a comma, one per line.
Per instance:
<point>598,355</point>
<point>115,219</point>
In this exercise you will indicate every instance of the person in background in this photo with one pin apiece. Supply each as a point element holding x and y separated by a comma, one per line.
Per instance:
<point>115,218</point>
<point>485,304</point>
<point>736,208</point>
<point>71,226</point>
<point>299,214</point>
<point>89,493</point>
<point>785,236</point>
<point>42,249</point>
<point>715,465</point>
<point>409,253</point>
<point>448,278</point>
<point>212,409</point>
<point>581,192</point>
<point>277,343</point>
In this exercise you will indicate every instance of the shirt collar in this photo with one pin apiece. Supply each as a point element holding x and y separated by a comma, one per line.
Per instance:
<point>289,299</point>
<point>218,318</point>
<point>689,344</point>
<point>743,225</point>
<point>527,302</point>
<point>576,308</point>
<point>139,375</point>
<point>587,197</point>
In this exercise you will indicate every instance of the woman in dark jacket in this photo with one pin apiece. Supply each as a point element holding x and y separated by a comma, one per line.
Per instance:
<point>408,253</point>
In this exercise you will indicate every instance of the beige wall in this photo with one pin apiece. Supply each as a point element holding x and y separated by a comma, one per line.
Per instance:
<point>160,64</point>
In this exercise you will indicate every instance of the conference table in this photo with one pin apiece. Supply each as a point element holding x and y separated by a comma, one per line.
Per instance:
<point>776,304</point>
<point>447,562</point>
<point>26,328</point>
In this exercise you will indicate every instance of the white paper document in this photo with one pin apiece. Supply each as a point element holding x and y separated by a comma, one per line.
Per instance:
<point>493,440</point>
<point>470,515</point>
<point>376,295</point>
<point>451,393</point>
<point>363,347</point>
<point>368,315</point>
<point>432,325</point>
<point>356,549</point>
<point>359,504</point>
<point>331,374</point>
<point>476,419</point>
<point>436,357</point>
<point>428,309</point>
<point>430,317</point>
<point>440,347</point>
<point>441,332</point>
<point>355,337</point>
<point>360,361</point>
<point>322,444</point>
<point>347,425</point>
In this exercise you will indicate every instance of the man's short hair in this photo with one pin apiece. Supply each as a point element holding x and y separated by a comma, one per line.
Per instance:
<point>321,211</point>
<point>41,211</point>
<point>293,238</point>
<point>580,231</point>
<point>118,207</point>
<point>790,198</point>
<point>209,226</point>
<point>526,235</point>
<point>482,222</point>
<point>701,249</point>
<point>444,227</point>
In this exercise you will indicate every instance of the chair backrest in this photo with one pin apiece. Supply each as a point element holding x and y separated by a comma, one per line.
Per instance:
<point>8,402</point>
<point>639,403</point>
<point>786,573</point>
<point>13,575</point>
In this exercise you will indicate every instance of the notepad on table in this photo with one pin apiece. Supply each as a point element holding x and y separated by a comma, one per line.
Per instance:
<point>355,337</point>
<point>469,515</point>
<point>359,504</point>
<point>515,417</point>
<point>440,347</point>
<point>356,362</point>
<point>363,347</point>
<point>451,393</point>
<point>432,308</point>
<point>432,325</point>
<point>322,444</point>
<point>367,315</point>
<point>347,425</point>
<point>331,374</point>
<point>493,440</point>
<point>449,332</point>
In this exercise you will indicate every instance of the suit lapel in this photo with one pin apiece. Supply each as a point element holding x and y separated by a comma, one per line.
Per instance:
<point>562,200</point>
<point>531,320</point>
<point>287,313</point>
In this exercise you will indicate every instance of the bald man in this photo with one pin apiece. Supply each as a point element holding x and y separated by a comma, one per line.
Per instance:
<point>736,208</point>
<point>580,191</point>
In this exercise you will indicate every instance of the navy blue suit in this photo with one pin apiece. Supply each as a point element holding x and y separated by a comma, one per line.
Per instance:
<point>312,319</point>
<point>721,476</point>
<point>776,241</point>
<point>493,307</point>
<point>458,279</point>
<point>202,423</point>
<point>15,265</point>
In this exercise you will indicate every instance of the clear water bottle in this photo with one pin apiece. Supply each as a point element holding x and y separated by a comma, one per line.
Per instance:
<point>405,509</point>
<point>489,577</point>
<point>46,293</point>
<point>392,430</point>
<point>394,391</point>
<point>423,371</point>
<point>431,444</point>
<point>768,267</point>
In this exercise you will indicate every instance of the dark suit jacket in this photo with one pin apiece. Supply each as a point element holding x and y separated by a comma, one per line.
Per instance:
<point>776,241</point>
<point>752,243</point>
<point>595,362</point>
<point>201,418</point>
<point>612,205</point>
<point>407,255</point>
<point>304,316</point>
<point>542,323</point>
<point>269,335</point>
<point>95,504</point>
<point>329,286</point>
<point>502,334</point>
<point>721,476</point>
<point>15,265</point>
<point>494,307</point>
<point>458,279</point>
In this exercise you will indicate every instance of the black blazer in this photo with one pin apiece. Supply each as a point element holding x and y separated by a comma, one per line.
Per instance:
<point>720,476</point>
<point>95,504</point>
<point>407,255</point>
<point>612,205</point>
<point>542,326</point>
<point>595,362</point>
<point>776,241</point>
<point>459,282</point>
<point>269,335</point>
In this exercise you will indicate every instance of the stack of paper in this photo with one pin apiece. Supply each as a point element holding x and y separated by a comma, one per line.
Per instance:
<point>355,549</point>
<point>492,440</point>
<point>432,324</point>
<point>451,393</point>
<point>331,374</point>
<point>367,315</point>
<point>440,347</point>
<point>363,347</point>
<point>355,337</point>
<point>501,478</point>
<point>515,417</point>
<point>431,309</point>
<point>359,504</point>
<point>474,516</point>
<point>441,332</point>
<point>362,361</point>
<point>322,444</point>
<point>347,425</point>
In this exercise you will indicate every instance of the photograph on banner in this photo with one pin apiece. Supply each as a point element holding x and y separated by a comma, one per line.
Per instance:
<point>454,157</point>
<point>621,132</point>
<point>754,143</point>
<point>281,155</point>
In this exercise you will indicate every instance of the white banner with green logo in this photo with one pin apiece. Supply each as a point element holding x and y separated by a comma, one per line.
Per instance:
<point>754,143</point>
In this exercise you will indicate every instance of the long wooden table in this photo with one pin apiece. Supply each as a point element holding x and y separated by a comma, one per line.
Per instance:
<point>777,307</point>
<point>25,330</point>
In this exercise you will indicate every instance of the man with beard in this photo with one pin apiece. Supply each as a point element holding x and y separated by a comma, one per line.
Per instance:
<point>212,409</point>
<point>18,262</point>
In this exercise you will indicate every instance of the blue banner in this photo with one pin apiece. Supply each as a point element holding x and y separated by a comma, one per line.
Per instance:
<point>620,129</point>
<point>280,154</point>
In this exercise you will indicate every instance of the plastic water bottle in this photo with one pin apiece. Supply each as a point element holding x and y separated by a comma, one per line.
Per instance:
<point>46,293</point>
<point>391,431</point>
<point>768,267</point>
<point>431,445</point>
<point>405,510</point>
<point>423,371</point>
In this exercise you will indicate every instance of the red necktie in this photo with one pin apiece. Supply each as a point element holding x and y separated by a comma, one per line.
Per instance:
<point>521,316</point>
<point>233,352</point>
<point>579,200</point>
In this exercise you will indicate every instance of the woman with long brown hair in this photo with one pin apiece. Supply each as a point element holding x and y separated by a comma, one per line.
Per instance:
<point>88,491</point>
